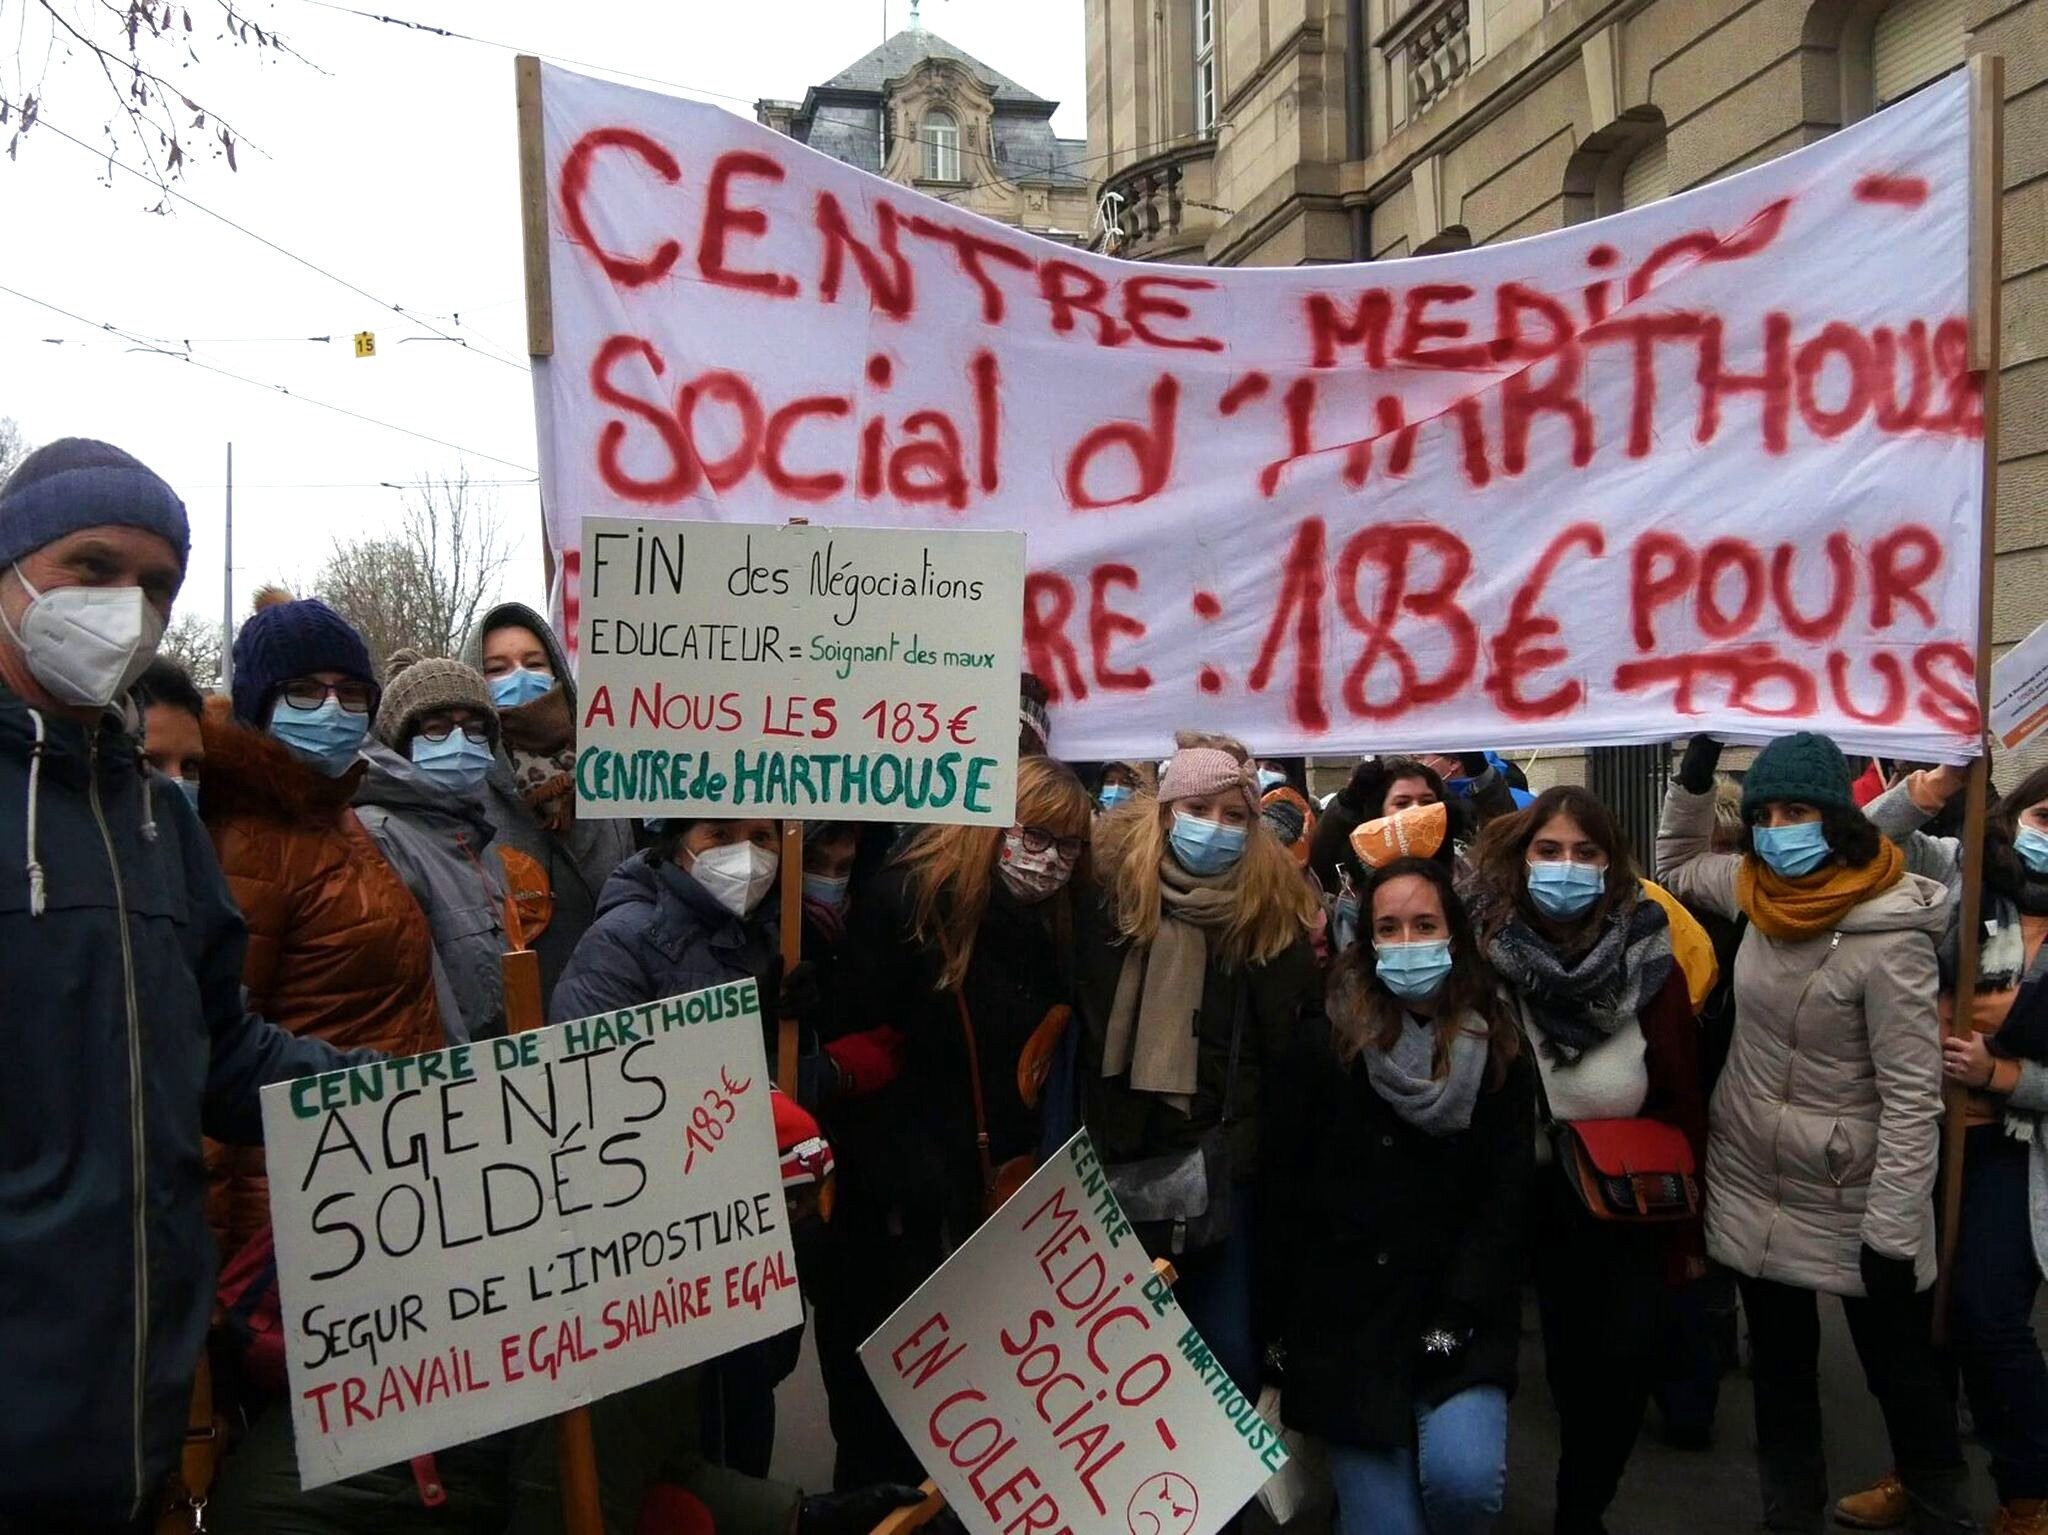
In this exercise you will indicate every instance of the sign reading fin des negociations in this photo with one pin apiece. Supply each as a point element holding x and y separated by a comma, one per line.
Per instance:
<point>822,673</point>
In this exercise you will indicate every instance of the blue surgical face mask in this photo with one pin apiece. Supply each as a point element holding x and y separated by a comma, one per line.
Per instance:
<point>1269,780</point>
<point>1113,795</point>
<point>1791,850</point>
<point>1345,920</point>
<point>2032,846</point>
<point>1565,890</point>
<point>189,787</point>
<point>1203,846</point>
<point>1416,971</point>
<point>826,890</point>
<point>327,737</point>
<point>520,686</point>
<point>457,763</point>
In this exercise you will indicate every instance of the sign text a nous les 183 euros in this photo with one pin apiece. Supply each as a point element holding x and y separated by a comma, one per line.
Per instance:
<point>823,673</point>
<point>486,1235</point>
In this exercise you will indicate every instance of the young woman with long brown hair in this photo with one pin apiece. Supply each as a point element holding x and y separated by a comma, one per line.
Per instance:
<point>967,931</point>
<point>1201,914</point>
<point>1586,962</point>
<point>1397,1174</point>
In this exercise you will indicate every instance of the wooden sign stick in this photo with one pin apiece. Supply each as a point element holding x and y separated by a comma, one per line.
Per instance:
<point>1987,202</point>
<point>576,1451</point>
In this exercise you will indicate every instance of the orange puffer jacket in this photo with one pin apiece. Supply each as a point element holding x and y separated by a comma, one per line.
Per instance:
<point>338,948</point>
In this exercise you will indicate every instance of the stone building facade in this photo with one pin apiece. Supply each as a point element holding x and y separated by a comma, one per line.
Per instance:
<point>1286,131</point>
<point>923,113</point>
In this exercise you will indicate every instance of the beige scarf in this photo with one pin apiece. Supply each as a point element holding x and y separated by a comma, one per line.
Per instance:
<point>1153,1022</point>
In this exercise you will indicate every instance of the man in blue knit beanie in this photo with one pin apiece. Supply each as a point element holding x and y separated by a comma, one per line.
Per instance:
<point>121,965</point>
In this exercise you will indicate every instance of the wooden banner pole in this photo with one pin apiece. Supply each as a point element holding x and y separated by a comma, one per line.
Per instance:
<point>792,948</point>
<point>576,1452</point>
<point>1987,203</point>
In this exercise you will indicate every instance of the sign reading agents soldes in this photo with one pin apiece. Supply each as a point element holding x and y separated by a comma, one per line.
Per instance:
<point>1715,463</point>
<point>478,1237</point>
<point>822,673</point>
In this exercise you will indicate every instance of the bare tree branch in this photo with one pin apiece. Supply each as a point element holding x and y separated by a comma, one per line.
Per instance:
<point>424,586</point>
<point>193,641</point>
<point>13,446</point>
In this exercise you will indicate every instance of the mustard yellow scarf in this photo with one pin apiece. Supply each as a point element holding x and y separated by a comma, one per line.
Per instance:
<point>1796,909</point>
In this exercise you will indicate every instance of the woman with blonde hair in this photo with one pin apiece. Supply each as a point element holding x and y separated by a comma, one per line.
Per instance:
<point>1194,971</point>
<point>965,942</point>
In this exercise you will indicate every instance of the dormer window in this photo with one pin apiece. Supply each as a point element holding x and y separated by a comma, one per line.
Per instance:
<point>941,147</point>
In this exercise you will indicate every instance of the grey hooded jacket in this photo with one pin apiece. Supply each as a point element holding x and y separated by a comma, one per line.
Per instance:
<point>578,862</point>
<point>439,843</point>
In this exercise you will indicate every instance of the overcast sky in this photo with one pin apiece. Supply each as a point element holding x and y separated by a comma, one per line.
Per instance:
<point>391,165</point>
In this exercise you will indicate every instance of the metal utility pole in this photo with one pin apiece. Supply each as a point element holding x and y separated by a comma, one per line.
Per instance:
<point>227,584</point>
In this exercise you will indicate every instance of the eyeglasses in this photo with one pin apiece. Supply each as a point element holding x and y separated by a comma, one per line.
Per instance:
<point>1037,839</point>
<point>305,693</point>
<point>442,729</point>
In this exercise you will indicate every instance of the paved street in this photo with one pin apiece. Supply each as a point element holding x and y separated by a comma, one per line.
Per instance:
<point>1667,1490</point>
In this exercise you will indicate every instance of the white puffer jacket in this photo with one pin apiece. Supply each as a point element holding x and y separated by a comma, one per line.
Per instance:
<point>1826,1123</point>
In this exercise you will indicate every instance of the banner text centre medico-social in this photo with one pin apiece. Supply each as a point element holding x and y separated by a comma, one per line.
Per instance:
<point>819,673</point>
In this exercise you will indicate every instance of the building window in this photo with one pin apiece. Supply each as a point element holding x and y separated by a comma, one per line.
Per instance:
<point>1205,66</point>
<point>941,147</point>
<point>1644,179</point>
<point>1913,42</point>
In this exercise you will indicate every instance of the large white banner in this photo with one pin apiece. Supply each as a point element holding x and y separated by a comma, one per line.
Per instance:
<point>1714,463</point>
<point>479,1237</point>
<point>1049,1381</point>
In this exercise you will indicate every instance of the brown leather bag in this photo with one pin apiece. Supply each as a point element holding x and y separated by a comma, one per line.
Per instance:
<point>183,1510</point>
<point>998,1183</point>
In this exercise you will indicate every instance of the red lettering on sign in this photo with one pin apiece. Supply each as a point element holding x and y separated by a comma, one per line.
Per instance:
<point>1141,305</point>
<point>1150,447</point>
<point>1901,562</point>
<point>1841,590</point>
<point>1048,604</point>
<point>1514,649</point>
<point>1723,556</point>
<point>1071,290</point>
<point>1393,547</point>
<point>970,249</point>
<point>1417,328</point>
<point>1899,191</point>
<point>681,477</point>
<point>1105,623</point>
<point>886,272</point>
<point>1366,326</point>
<point>802,487</point>
<point>1891,711</point>
<point>1704,246</point>
<point>1950,701</point>
<point>1301,607</point>
<point>1773,384</point>
<point>1846,342</point>
<point>576,166</point>
<point>1650,588</point>
<point>723,219</point>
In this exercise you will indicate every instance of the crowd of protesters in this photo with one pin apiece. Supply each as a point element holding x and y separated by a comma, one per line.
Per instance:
<point>1420,1049</point>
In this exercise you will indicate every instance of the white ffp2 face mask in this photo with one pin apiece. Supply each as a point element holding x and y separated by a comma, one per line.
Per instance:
<point>737,875</point>
<point>86,644</point>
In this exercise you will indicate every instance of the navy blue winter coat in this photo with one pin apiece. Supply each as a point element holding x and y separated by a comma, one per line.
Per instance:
<point>125,1037</point>
<point>657,934</point>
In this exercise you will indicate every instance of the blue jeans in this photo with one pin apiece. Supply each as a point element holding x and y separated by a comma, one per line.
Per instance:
<point>1451,1483</point>
<point>1215,1294</point>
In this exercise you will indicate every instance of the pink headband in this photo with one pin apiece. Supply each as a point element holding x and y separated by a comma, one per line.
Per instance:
<point>1203,770</point>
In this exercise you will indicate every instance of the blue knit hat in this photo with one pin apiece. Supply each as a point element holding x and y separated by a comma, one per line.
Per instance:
<point>286,638</point>
<point>77,483</point>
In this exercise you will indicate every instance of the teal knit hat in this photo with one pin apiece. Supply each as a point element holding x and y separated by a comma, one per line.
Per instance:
<point>1805,767</point>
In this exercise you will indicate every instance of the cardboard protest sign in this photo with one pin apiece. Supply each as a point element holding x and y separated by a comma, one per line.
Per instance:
<point>1048,1381</point>
<point>2019,690</point>
<point>472,1239</point>
<point>822,673</point>
<point>1715,463</point>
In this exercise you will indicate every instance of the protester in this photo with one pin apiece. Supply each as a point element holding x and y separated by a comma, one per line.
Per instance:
<point>1381,786</point>
<point>1118,781</point>
<point>1586,959</point>
<point>1399,1156</point>
<point>1202,916</point>
<point>422,799</point>
<point>338,948</point>
<point>1826,1120</point>
<point>121,961</point>
<point>530,791</point>
<point>171,708</point>
<point>1034,720</point>
<point>1997,1274</point>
